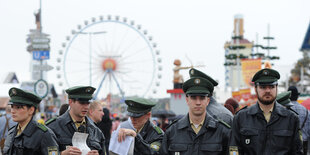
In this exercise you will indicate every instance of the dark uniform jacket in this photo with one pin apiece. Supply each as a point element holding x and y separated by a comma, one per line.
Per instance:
<point>251,134</point>
<point>148,140</point>
<point>35,139</point>
<point>64,128</point>
<point>180,138</point>
<point>219,112</point>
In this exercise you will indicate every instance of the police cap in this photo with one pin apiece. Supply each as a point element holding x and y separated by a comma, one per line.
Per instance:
<point>266,77</point>
<point>138,107</point>
<point>80,93</point>
<point>22,97</point>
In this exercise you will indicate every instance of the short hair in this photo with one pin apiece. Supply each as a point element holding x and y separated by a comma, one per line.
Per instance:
<point>93,105</point>
<point>63,108</point>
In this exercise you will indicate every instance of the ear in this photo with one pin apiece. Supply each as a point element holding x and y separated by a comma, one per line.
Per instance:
<point>31,110</point>
<point>187,99</point>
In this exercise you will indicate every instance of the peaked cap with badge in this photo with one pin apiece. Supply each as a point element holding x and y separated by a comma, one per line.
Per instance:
<point>138,107</point>
<point>193,73</point>
<point>266,76</point>
<point>284,99</point>
<point>22,97</point>
<point>198,86</point>
<point>81,93</point>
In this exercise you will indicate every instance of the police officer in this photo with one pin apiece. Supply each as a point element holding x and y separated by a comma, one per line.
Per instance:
<point>284,99</point>
<point>197,132</point>
<point>28,136</point>
<point>266,127</point>
<point>75,120</point>
<point>215,109</point>
<point>148,137</point>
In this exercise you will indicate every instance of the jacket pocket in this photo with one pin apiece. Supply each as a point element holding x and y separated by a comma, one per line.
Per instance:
<point>249,137</point>
<point>211,147</point>
<point>281,138</point>
<point>178,147</point>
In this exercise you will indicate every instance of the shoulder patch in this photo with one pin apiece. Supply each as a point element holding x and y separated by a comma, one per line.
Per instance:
<point>50,120</point>
<point>158,129</point>
<point>224,123</point>
<point>42,127</point>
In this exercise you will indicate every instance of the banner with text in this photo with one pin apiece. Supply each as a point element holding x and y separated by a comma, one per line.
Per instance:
<point>249,68</point>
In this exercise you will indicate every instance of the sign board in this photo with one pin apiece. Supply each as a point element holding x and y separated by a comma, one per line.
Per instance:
<point>41,88</point>
<point>44,67</point>
<point>40,55</point>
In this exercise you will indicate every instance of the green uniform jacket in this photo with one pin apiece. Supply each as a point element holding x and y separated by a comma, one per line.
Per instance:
<point>64,128</point>
<point>35,139</point>
<point>181,139</point>
<point>251,134</point>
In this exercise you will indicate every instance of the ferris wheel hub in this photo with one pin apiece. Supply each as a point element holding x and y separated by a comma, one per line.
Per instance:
<point>109,64</point>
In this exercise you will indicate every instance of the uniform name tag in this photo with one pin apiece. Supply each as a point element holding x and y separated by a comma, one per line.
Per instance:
<point>177,153</point>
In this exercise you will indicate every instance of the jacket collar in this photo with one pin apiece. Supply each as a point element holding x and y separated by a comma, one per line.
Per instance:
<point>210,122</point>
<point>277,109</point>
<point>30,128</point>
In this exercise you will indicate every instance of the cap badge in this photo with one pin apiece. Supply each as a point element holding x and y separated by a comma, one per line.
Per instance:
<point>88,90</point>
<point>14,91</point>
<point>197,81</point>
<point>192,72</point>
<point>265,72</point>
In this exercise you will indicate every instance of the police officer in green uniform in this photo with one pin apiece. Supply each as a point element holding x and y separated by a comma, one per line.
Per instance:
<point>266,127</point>
<point>28,137</point>
<point>197,132</point>
<point>75,120</point>
<point>215,109</point>
<point>148,136</point>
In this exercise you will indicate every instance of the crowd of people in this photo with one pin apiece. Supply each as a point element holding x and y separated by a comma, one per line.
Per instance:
<point>276,124</point>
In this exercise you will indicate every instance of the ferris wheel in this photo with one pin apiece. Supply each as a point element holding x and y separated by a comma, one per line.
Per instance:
<point>112,54</point>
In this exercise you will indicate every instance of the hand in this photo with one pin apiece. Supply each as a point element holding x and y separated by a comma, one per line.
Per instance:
<point>71,150</point>
<point>93,152</point>
<point>122,133</point>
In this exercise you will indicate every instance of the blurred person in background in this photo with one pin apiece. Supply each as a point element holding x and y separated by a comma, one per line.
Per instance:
<point>232,105</point>
<point>106,127</point>
<point>63,108</point>
<point>116,123</point>
<point>95,112</point>
<point>6,122</point>
<point>303,115</point>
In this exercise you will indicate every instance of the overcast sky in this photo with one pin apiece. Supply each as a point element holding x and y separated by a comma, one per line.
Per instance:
<point>196,28</point>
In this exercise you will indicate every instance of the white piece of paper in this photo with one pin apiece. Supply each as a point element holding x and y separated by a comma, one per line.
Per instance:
<point>123,148</point>
<point>79,141</point>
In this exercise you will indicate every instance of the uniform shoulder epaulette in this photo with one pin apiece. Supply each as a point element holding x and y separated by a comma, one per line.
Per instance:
<point>157,129</point>
<point>245,107</point>
<point>224,123</point>
<point>12,127</point>
<point>50,120</point>
<point>172,123</point>
<point>289,108</point>
<point>42,127</point>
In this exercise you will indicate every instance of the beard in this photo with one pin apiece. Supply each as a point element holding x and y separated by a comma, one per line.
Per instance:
<point>266,102</point>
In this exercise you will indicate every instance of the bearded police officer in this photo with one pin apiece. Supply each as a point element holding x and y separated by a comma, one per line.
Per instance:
<point>28,136</point>
<point>266,127</point>
<point>75,120</point>
<point>197,132</point>
<point>148,136</point>
<point>215,109</point>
